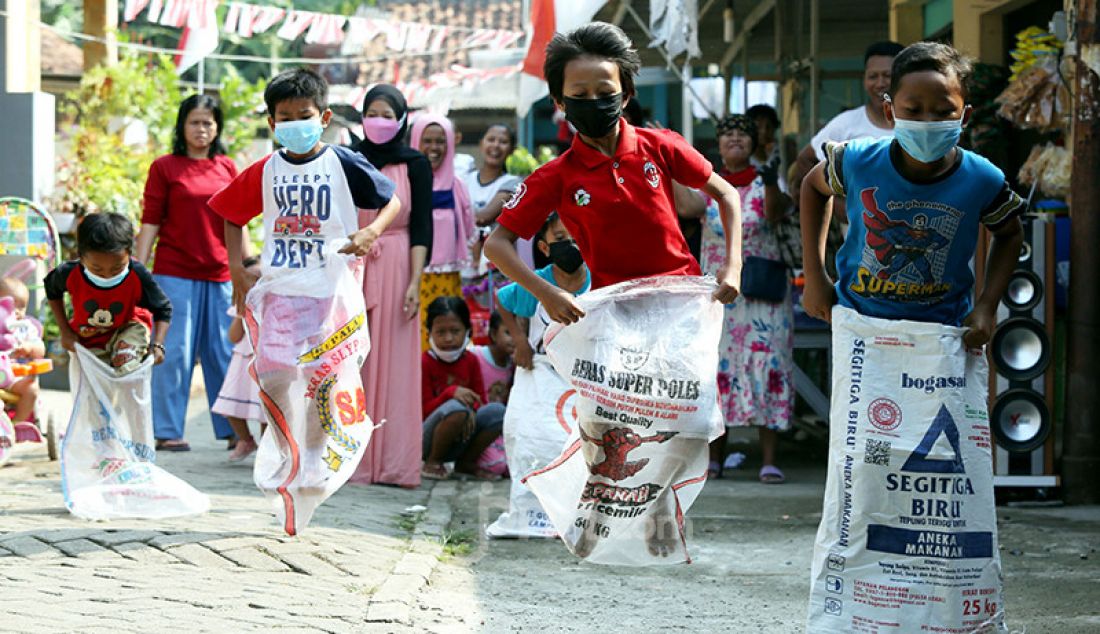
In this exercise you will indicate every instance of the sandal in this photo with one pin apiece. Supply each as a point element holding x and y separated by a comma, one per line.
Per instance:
<point>770,474</point>
<point>434,472</point>
<point>173,445</point>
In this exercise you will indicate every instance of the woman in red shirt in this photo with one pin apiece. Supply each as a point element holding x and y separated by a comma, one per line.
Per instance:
<point>191,265</point>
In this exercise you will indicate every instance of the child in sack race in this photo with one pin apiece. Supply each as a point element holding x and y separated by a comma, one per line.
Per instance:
<point>902,304</point>
<point>308,335</point>
<point>119,311</point>
<point>309,194</point>
<point>613,192</point>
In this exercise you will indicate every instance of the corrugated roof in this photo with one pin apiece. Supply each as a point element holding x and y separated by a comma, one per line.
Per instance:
<point>60,56</point>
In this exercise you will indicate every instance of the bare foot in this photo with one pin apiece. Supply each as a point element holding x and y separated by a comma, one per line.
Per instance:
<point>664,537</point>
<point>586,543</point>
<point>245,448</point>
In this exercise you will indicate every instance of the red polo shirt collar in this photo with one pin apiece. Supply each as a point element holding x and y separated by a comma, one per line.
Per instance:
<point>591,157</point>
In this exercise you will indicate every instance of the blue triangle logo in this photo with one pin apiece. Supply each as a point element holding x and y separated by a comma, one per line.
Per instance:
<point>919,461</point>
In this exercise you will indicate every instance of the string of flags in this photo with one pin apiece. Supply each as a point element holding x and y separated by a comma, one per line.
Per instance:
<point>437,87</point>
<point>353,33</point>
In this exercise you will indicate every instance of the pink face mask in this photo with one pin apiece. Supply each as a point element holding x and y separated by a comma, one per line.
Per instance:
<point>381,130</point>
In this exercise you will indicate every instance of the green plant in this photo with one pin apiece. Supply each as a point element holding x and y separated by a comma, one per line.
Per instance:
<point>457,543</point>
<point>521,162</point>
<point>102,171</point>
<point>241,102</point>
<point>408,521</point>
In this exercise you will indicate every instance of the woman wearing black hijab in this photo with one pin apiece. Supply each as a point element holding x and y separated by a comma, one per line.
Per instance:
<point>391,286</point>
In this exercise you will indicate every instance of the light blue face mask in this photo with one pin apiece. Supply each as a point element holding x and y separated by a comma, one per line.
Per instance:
<point>927,141</point>
<point>107,282</point>
<point>299,137</point>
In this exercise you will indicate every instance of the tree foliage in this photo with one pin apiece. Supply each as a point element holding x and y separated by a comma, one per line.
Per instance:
<point>124,117</point>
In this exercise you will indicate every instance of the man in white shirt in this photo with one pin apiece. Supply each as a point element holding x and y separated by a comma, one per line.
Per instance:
<point>865,121</point>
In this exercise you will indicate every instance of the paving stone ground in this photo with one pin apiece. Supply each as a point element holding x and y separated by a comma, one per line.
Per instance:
<point>358,568</point>
<point>368,564</point>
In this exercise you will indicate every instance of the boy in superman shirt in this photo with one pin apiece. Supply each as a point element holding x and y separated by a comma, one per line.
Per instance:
<point>915,204</point>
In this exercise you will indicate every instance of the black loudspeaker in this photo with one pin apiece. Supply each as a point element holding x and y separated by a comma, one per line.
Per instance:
<point>1021,384</point>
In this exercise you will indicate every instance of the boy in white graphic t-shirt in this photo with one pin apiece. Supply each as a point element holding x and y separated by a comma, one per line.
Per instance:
<point>310,194</point>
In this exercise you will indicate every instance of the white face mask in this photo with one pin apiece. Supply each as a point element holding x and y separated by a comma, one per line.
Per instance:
<point>107,282</point>
<point>450,356</point>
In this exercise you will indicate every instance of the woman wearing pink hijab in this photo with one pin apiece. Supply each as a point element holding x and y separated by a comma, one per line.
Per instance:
<point>452,215</point>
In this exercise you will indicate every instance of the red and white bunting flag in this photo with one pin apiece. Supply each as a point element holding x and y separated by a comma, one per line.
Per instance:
<point>416,41</point>
<point>396,33</point>
<point>296,23</point>
<point>480,37</point>
<point>439,36</point>
<point>361,32</point>
<point>505,39</point>
<point>202,14</point>
<point>133,9</point>
<point>546,18</point>
<point>200,36</point>
<point>326,29</point>
<point>175,13</point>
<point>232,17</point>
<point>155,8</point>
<point>265,18</point>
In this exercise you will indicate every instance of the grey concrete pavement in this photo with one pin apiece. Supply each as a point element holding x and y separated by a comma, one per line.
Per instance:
<point>365,565</point>
<point>359,566</point>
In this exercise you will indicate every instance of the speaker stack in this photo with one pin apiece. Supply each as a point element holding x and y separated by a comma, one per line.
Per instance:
<point>1021,384</point>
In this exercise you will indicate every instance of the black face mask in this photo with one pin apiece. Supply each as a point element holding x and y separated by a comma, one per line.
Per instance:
<point>594,118</point>
<point>566,256</point>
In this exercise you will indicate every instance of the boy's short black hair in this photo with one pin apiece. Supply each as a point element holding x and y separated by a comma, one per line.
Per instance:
<point>447,305</point>
<point>884,49</point>
<point>495,321</point>
<point>105,232</point>
<point>598,39</point>
<point>763,111</point>
<point>296,83</point>
<point>545,228</point>
<point>933,56</point>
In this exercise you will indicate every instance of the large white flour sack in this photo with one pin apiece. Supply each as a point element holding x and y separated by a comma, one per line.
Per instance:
<point>908,535</point>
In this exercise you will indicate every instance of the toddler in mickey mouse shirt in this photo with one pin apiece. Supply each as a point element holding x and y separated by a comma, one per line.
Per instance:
<point>119,311</point>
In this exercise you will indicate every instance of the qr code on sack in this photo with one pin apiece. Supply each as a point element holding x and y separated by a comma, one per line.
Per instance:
<point>877,452</point>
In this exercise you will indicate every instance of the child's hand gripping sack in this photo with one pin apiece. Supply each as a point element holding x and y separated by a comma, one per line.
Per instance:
<point>309,331</point>
<point>644,364</point>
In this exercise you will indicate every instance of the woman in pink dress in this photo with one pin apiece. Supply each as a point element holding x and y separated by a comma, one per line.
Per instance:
<point>391,286</point>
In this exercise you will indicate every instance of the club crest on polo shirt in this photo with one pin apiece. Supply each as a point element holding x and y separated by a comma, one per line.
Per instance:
<point>652,176</point>
<point>581,198</point>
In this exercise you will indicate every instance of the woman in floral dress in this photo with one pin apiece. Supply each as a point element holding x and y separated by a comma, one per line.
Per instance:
<point>755,378</point>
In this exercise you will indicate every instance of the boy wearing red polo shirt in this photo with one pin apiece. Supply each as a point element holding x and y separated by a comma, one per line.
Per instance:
<point>613,190</point>
<point>613,187</point>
